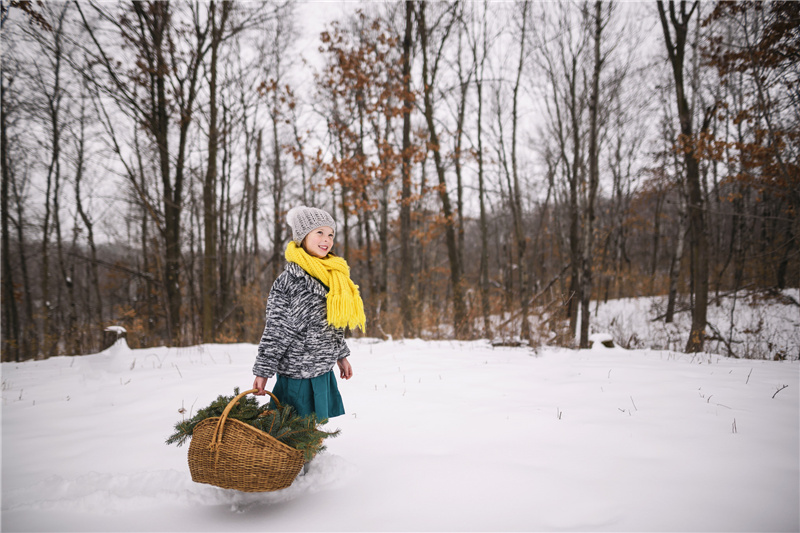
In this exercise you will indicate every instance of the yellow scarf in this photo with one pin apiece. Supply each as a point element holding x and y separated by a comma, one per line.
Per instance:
<point>345,307</point>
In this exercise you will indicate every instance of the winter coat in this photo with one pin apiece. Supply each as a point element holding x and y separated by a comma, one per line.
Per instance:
<point>298,342</point>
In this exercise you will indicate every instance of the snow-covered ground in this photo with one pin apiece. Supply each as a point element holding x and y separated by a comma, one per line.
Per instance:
<point>748,326</point>
<point>439,436</point>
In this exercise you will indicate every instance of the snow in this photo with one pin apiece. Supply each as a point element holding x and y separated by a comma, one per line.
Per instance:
<point>750,326</point>
<point>119,330</point>
<point>599,338</point>
<point>444,436</point>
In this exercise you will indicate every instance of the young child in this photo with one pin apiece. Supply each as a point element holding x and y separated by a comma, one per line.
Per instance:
<point>309,305</point>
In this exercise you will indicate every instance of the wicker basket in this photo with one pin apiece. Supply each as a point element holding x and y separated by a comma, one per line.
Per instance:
<point>234,455</point>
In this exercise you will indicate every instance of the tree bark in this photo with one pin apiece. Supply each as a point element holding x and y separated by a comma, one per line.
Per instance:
<point>464,84</point>
<point>575,184</point>
<point>277,190</point>
<point>461,327</point>
<point>406,306</point>
<point>696,211</point>
<point>96,310</point>
<point>11,328</point>
<point>254,204</point>
<point>210,257</point>
<point>516,200</point>
<point>594,179</point>
<point>54,98</point>
<point>484,261</point>
<point>675,267</point>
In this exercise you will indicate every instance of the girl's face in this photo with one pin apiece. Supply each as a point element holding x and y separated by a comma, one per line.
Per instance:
<point>319,241</point>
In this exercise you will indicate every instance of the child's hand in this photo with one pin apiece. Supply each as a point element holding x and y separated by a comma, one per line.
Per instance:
<point>345,370</point>
<point>260,384</point>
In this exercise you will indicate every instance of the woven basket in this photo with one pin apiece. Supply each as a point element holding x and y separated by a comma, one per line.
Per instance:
<point>234,455</point>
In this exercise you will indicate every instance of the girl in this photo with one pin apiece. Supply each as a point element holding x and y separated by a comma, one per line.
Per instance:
<point>309,306</point>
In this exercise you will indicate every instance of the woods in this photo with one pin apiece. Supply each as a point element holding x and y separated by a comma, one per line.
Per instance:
<point>494,169</point>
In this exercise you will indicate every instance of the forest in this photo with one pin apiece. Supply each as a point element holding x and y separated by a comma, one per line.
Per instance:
<point>494,168</point>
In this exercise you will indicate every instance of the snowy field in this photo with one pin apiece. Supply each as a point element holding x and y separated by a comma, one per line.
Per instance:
<point>439,436</point>
<point>746,326</point>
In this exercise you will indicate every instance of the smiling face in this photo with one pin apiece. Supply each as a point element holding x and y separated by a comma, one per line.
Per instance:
<point>319,241</point>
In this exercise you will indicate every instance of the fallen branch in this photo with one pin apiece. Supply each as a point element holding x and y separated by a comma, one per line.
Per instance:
<point>718,336</point>
<point>114,266</point>
<point>533,298</point>
<point>713,301</point>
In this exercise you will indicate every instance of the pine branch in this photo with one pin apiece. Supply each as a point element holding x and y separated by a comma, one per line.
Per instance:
<point>283,423</point>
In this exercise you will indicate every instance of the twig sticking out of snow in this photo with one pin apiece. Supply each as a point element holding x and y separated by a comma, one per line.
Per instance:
<point>777,391</point>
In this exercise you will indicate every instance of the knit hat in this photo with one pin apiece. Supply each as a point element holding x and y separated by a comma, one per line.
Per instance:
<point>304,219</point>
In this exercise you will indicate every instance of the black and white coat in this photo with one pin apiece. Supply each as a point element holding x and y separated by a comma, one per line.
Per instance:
<point>297,341</point>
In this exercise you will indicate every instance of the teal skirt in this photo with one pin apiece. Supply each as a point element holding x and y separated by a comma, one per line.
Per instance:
<point>318,395</point>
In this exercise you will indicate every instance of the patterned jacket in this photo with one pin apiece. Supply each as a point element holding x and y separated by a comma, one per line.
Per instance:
<point>298,342</point>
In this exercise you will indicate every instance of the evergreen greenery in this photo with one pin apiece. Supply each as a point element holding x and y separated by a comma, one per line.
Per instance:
<point>283,423</point>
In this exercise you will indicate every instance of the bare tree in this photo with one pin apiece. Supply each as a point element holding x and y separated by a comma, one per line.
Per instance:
<point>429,80</point>
<point>594,172</point>
<point>80,166</point>
<point>679,20</point>
<point>11,323</point>
<point>516,189</point>
<point>406,308</point>
<point>163,72</point>
<point>563,59</point>
<point>210,215</point>
<point>479,61</point>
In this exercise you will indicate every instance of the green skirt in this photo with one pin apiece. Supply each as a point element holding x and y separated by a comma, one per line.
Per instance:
<point>318,395</point>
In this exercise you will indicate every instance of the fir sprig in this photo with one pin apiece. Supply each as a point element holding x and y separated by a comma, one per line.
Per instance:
<point>284,424</point>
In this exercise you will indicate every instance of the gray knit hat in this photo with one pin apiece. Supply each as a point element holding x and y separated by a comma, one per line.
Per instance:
<point>304,219</point>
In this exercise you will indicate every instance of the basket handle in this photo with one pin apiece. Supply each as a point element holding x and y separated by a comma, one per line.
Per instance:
<point>216,438</point>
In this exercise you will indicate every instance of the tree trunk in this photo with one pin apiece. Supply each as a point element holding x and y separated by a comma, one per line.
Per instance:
<point>594,178</point>
<point>49,330</point>
<point>516,200</point>
<point>96,310</point>
<point>575,184</point>
<point>11,329</point>
<point>406,305</point>
<point>210,257</point>
<point>277,190</point>
<point>155,16</point>
<point>659,197</point>
<point>345,223</point>
<point>461,327</point>
<point>67,328</point>
<point>254,205</point>
<point>227,238</point>
<point>30,339</point>
<point>696,211</point>
<point>457,151</point>
<point>484,261</point>
<point>675,269</point>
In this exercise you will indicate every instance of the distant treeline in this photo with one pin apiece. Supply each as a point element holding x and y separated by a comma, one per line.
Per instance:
<point>492,168</point>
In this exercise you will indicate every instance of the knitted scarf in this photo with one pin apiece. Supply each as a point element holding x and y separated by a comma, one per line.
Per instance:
<point>345,307</point>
